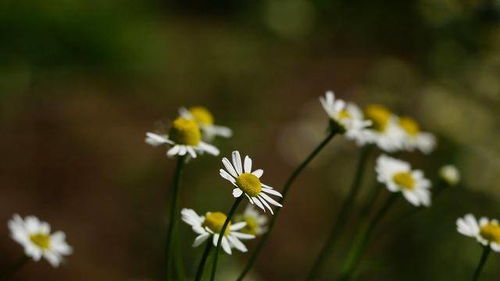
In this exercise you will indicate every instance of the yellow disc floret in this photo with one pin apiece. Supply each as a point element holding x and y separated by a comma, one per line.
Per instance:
<point>491,232</point>
<point>344,114</point>
<point>409,125</point>
<point>202,115</point>
<point>215,221</point>
<point>185,131</point>
<point>249,183</point>
<point>41,240</point>
<point>379,115</point>
<point>404,180</point>
<point>252,226</point>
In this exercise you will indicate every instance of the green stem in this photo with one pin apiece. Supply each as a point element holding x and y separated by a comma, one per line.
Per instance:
<point>286,187</point>
<point>174,202</point>
<point>221,235</point>
<point>342,216</point>
<point>179,265</point>
<point>206,253</point>
<point>356,252</point>
<point>482,261</point>
<point>5,275</point>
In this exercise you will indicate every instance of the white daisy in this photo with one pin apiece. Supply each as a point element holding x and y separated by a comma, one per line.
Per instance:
<point>211,225</point>
<point>248,182</point>
<point>205,120</point>
<point>398,176</point>
<point>256,222</point>
<point>384,131</point>
<point>34,235</point>
<point>414,138</point>
<point>184,137</point>
<point>346,118</point>
<point>486,232</point>
<point>450,175</point>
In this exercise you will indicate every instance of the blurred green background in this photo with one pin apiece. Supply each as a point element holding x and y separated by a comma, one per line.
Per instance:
<point>82,81</point>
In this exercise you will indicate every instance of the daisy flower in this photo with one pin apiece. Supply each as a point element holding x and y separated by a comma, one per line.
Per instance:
<point>346,118</point>
<point>384,130</point>
<point>486,231</point>
<point>414,138</point>
<point>256,223</point>
<point>248,182</point>
<point>450,175</point>
<point>34,235</point>
<point>205,120</point>
<point>184,137</point>
<point>398,176</point>
<point>210,225</point>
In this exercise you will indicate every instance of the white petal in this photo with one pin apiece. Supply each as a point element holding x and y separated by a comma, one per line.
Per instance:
<point>237,192</point>
<point>243,236</point>
<point>229,167</point>
<point>258,203</point>
<point>226,176</point>
<point>270,200</point>
<point>237,243</point>
<point>266,204</point>
<point>173,151</point>
<point>258,173</point>
<point>248,164</point>
<point>237,162</point>
<point>200,239</point>
<point>272,191</point>
<point>238,226</point>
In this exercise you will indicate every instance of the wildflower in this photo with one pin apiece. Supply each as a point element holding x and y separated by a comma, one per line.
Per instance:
<point>202,116</point>
<point>486,232</point>
<point>248,182</point>
<point>184,137</point>
<point>256,223</point>
<point>450,175</point>
<point>384,130</point>
<point>398,176</point>
<point>346,118</point>
<point>211,225</point>
<point>34,235</point>
<point>414,138</point>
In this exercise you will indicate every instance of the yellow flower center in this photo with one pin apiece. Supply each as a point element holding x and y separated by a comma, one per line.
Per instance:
<point>491,232</point>
<point>344,114</point>
<point>379,115</point>
<point>202,115</point>
<point>252,226</point>
<point>185,131</point>
<point>215,221</point>
<point>409,125</point>
<point>42,241</point>
<point>249,183</point>
<point>404,180</point>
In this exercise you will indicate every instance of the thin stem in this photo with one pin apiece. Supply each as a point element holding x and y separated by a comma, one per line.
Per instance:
<point>342,216</point>
<point>179,265</point>
<point>174,202</point>
<point>482,261</point>
<point>206,253</point>
<point>286,187</point>
<point>5,275</point>
<point>221,235</point>
<point>357,250</point>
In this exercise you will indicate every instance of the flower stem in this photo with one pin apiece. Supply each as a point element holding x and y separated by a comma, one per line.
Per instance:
<point>221,234</point>
<point>286,187</point>
<point>5,275</point>
<point>482,261</point>
<point>362,240</point>
<point>206,253</point>
<point>342,216</point>
<point>174,202</point>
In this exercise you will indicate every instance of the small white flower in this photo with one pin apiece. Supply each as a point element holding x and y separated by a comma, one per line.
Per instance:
<point>450,174</point>
<point>486,232</point>
<point>414,138</point>
<point>210,225</point>
<point>347,117</point>
<point>184,137</point>
<point>256,222</point>
<point>384,131</point>
<point>398,176</point>
<point>205,120</point>
<point>34,235</point>
<point>248,182</point>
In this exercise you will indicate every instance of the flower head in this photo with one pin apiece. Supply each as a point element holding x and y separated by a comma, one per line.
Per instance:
<point>211,224</point>
<point>204,118</point>
<point>384,131</point>
<point>248,182</point>
<point>414,138</point>
<point>184,137</point>
<point>398,176</point>
<point>486,231</point>
<point>34,235</point>
<point>346,118</point>
<point>256,222</point>
<point>450,175</point>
